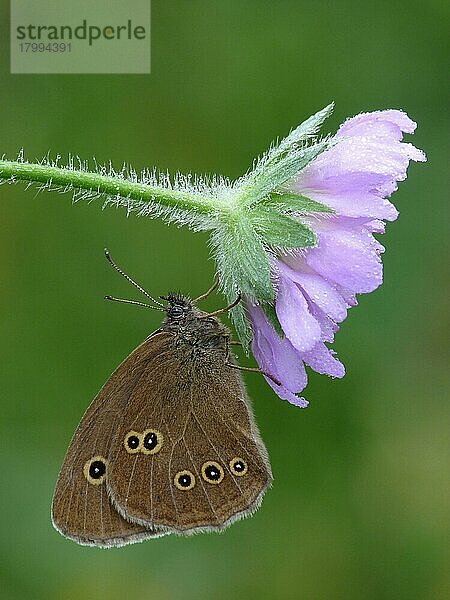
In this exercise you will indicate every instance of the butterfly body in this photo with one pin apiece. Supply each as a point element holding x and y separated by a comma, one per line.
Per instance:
<point>169,445</point>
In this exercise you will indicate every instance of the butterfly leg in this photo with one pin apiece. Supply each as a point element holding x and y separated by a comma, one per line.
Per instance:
<point>223,310</point>
<point>254,370</point>
<point>251,369</point>
<point>207,293</point>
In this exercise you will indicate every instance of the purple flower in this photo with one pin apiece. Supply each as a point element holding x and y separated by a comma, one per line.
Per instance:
<point>316,285</point>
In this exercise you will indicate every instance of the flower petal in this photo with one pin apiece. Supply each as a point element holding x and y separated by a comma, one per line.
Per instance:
<point>321,359</point>
<point>328,326</point>
<point>396,120</point>
<point>322,293</point>
<point>376,226</point>
<point>298,324</point>
<point>352,194</point>
<point>348,257</point>
<point>276,356</point>
<point>355,175</point>
<point>285,394</point>
<point>349,298</point>
<point>358,155</point>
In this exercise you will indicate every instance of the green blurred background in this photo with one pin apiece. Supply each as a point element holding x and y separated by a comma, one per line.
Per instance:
<point>358,507</point>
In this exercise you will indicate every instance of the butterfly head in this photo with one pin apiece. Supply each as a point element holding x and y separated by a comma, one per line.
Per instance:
<point>179,308</point>
<point>181,314</point>
<point>184,318</point>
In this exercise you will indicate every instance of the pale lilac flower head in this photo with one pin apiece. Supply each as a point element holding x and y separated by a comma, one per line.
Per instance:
<point>316,285</point>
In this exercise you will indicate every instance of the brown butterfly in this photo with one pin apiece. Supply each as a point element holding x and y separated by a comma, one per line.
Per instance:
<point>169,444</point>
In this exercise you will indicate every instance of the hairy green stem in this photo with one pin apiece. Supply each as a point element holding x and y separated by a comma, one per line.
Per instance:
<point>108,185</point>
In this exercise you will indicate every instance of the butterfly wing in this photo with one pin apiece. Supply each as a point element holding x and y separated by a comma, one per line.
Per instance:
<point>201,463</point>
<point>81,508</point>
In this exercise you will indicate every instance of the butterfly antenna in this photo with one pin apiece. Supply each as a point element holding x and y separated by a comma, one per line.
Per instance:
<point>128,278</point>
<point>125,301</point>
